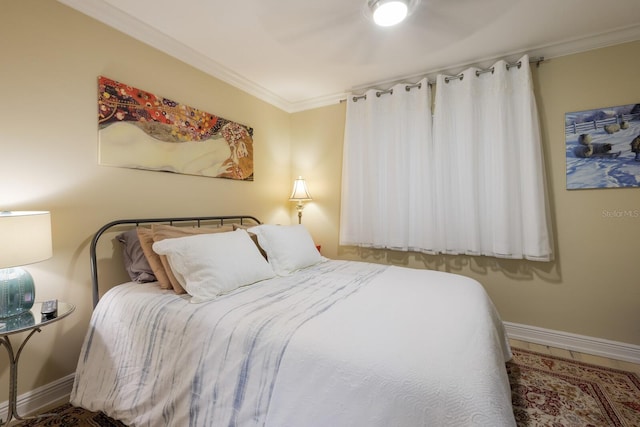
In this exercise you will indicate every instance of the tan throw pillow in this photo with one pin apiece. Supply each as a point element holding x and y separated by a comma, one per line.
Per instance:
<point>162,231</point>
<point>145,235</point>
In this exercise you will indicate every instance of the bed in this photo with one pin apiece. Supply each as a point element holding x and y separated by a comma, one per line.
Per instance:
<point>296,339</point>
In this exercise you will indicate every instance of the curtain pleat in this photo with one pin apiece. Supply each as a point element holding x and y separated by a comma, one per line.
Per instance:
<point>489,165</point>
<point>385,187</point>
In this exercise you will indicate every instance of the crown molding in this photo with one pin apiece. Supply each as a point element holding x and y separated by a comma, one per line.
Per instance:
<point>115,18</point>
<point>591,42</point>
<point>129,25</point>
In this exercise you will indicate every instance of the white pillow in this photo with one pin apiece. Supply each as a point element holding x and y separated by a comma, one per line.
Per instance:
<point>208,265</point>
<point>288,247</point>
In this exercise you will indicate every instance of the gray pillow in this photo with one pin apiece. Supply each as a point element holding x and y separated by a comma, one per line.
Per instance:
<point>135,263</point>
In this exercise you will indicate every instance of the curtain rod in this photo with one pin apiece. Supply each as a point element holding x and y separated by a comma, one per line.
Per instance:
<point>407,87</point>
<point>460,76</point>
<point>379,93</point>
<point>509,65</point>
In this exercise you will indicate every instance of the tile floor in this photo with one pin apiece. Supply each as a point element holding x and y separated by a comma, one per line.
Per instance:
<point>581,357</point>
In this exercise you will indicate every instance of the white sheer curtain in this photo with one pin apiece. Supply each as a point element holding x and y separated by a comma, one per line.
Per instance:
<point>488,165</point>
<point>473,185</point>
<point>386,193</point>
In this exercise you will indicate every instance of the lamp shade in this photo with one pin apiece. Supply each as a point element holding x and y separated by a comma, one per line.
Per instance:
<point>25,237</point>
<point>300,192</point>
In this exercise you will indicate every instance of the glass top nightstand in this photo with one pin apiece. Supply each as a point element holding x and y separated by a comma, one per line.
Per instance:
<point>33,319</point>
<point>30,321</point>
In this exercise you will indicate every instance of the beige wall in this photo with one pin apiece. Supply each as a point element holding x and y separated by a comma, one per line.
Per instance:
<point>316,154</point>
<point>593,286</point>
<point>51,57</point>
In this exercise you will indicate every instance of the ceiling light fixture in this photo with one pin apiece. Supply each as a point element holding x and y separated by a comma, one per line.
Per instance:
<point>388,12</point>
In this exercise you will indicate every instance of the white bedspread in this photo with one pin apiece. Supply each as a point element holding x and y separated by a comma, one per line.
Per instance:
<point>338,344</point>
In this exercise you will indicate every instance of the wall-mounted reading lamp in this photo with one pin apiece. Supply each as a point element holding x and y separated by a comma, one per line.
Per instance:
<point>300,194</point>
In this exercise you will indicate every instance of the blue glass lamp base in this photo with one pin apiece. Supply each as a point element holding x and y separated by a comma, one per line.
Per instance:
<point>17,292</point>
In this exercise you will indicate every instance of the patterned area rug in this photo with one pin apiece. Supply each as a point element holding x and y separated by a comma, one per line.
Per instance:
<point>71,416</point>
<point>547,391</point>
<point>556,392</point>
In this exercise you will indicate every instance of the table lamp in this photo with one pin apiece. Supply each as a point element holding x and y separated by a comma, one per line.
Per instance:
<point>299,194</point>
<point>25,238</point>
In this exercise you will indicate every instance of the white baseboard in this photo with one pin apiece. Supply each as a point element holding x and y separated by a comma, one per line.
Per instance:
<point>33,401</point>
<point>580,343</point>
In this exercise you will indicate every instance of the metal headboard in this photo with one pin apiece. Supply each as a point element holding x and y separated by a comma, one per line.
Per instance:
<point>198,220</point>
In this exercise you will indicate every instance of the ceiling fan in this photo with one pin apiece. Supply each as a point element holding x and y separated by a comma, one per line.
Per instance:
<point>343,31</point>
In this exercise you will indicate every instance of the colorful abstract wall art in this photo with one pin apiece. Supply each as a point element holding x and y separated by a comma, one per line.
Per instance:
<point>603,147</point>
<point>140,130</point>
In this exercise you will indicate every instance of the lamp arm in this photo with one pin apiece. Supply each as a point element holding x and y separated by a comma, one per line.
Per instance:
<point>299,207</point>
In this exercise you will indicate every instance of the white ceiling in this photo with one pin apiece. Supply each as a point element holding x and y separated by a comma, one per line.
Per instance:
<point>300,54</point>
